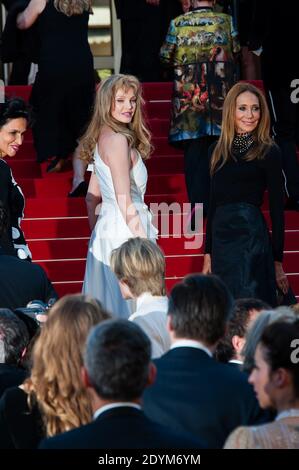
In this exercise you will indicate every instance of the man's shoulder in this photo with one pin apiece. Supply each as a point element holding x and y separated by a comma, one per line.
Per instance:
<point>69,439</point>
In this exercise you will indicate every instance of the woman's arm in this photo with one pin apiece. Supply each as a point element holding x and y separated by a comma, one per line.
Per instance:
<point>207,265</point>
<point>30,14</point>
<point>119,162</point>
<point>93,199</point>
<point>273,167</point>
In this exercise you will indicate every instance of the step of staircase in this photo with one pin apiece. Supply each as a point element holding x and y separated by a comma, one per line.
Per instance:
<point>64,248</point>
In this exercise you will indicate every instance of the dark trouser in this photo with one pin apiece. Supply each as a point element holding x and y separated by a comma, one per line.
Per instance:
<point>197,172</point>
<point>285,120</point>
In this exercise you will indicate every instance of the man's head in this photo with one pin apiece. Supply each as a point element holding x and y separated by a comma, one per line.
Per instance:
<point>14,337</point>
<point>118,361</point>
<point>244,313</point>
<point>199,308</point>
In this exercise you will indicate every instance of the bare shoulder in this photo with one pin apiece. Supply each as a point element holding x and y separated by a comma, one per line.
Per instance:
<point>112,144</point>
<point>108,137</point>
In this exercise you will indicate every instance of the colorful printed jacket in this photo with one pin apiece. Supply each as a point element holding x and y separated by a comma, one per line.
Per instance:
<point>200,45</point>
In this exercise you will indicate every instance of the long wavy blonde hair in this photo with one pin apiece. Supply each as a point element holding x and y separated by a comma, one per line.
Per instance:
<point>72,7</point>
<point>223,150</point>
<point>136,132</point>
<point>55,382</point>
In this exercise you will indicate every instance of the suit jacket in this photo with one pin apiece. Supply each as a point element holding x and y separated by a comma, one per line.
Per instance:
<point>10,376</point>
<point>21,282</point>
<point>121,428</point>
<point>195,393</point>
<point>20,426</point>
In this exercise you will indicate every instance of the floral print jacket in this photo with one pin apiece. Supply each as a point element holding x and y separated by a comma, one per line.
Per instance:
<point>200,45</point>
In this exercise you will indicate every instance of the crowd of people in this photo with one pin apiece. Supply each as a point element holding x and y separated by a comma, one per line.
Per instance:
<point>213,363</point>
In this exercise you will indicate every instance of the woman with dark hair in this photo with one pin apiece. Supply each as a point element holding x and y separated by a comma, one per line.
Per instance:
<point>245,163</point>
<point>275,378</point>
<point>14,118</point>
<point>63,90</point>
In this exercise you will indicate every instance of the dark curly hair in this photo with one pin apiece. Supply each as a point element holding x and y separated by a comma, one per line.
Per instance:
<point>14,108</point>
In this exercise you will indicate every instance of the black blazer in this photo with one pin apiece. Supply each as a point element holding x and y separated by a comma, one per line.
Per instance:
<point>121,428</point>
<point>21,282</point>
<point>195,393</point>
<point>10,376</point>
<point>20,427</point>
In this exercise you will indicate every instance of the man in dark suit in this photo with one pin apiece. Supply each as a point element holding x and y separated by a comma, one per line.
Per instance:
<point>193,392</point>
<point>14,339</point>
<point>117,369</point>
<point>20,280</point>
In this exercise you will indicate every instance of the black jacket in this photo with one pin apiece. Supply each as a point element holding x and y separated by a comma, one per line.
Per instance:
<point>195,393</point>
<point>121,428</point>
<point>21,282</point>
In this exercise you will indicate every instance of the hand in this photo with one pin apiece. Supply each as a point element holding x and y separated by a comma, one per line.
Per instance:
<point>206,269</point>
<point>153,2</point>
<point>281,278</point>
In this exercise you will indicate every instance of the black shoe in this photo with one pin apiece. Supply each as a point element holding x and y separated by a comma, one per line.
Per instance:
<point>56,165</point>
<point>292,205</point>
<point>80,190</point>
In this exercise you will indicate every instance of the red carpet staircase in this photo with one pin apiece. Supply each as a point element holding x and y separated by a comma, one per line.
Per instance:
<point>56,227</point>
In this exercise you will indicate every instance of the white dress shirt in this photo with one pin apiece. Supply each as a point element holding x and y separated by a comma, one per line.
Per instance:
<point>190,343</point>
<point>111,406</point>
<point>151,316</point>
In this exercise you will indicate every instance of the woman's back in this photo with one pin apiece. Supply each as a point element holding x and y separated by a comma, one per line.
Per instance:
<point>138,179</point>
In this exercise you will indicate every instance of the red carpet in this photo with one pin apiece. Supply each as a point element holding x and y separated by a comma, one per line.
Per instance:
<point>56,227</point>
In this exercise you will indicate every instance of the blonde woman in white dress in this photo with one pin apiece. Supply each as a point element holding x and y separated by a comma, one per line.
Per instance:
<point>116,142</point>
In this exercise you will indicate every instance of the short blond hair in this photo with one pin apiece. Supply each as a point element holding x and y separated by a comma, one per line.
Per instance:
<point>140,263</point>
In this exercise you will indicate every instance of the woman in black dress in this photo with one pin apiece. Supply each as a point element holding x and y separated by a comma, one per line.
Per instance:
<point>14,118</point>
<point>63,90</point>
<point>245,163</point>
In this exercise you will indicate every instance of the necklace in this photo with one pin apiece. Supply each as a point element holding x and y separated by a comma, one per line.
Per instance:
<point>292,412</point>
<point>242,143</point>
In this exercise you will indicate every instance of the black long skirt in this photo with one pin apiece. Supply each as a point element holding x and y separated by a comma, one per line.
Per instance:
<point>242,252</point>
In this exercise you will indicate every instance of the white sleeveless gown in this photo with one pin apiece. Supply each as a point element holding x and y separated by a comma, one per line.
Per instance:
<point>110,232</point>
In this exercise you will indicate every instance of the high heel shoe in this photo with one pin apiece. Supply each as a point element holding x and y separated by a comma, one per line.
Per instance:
<point>56,165</point>
<point>80,190</point>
